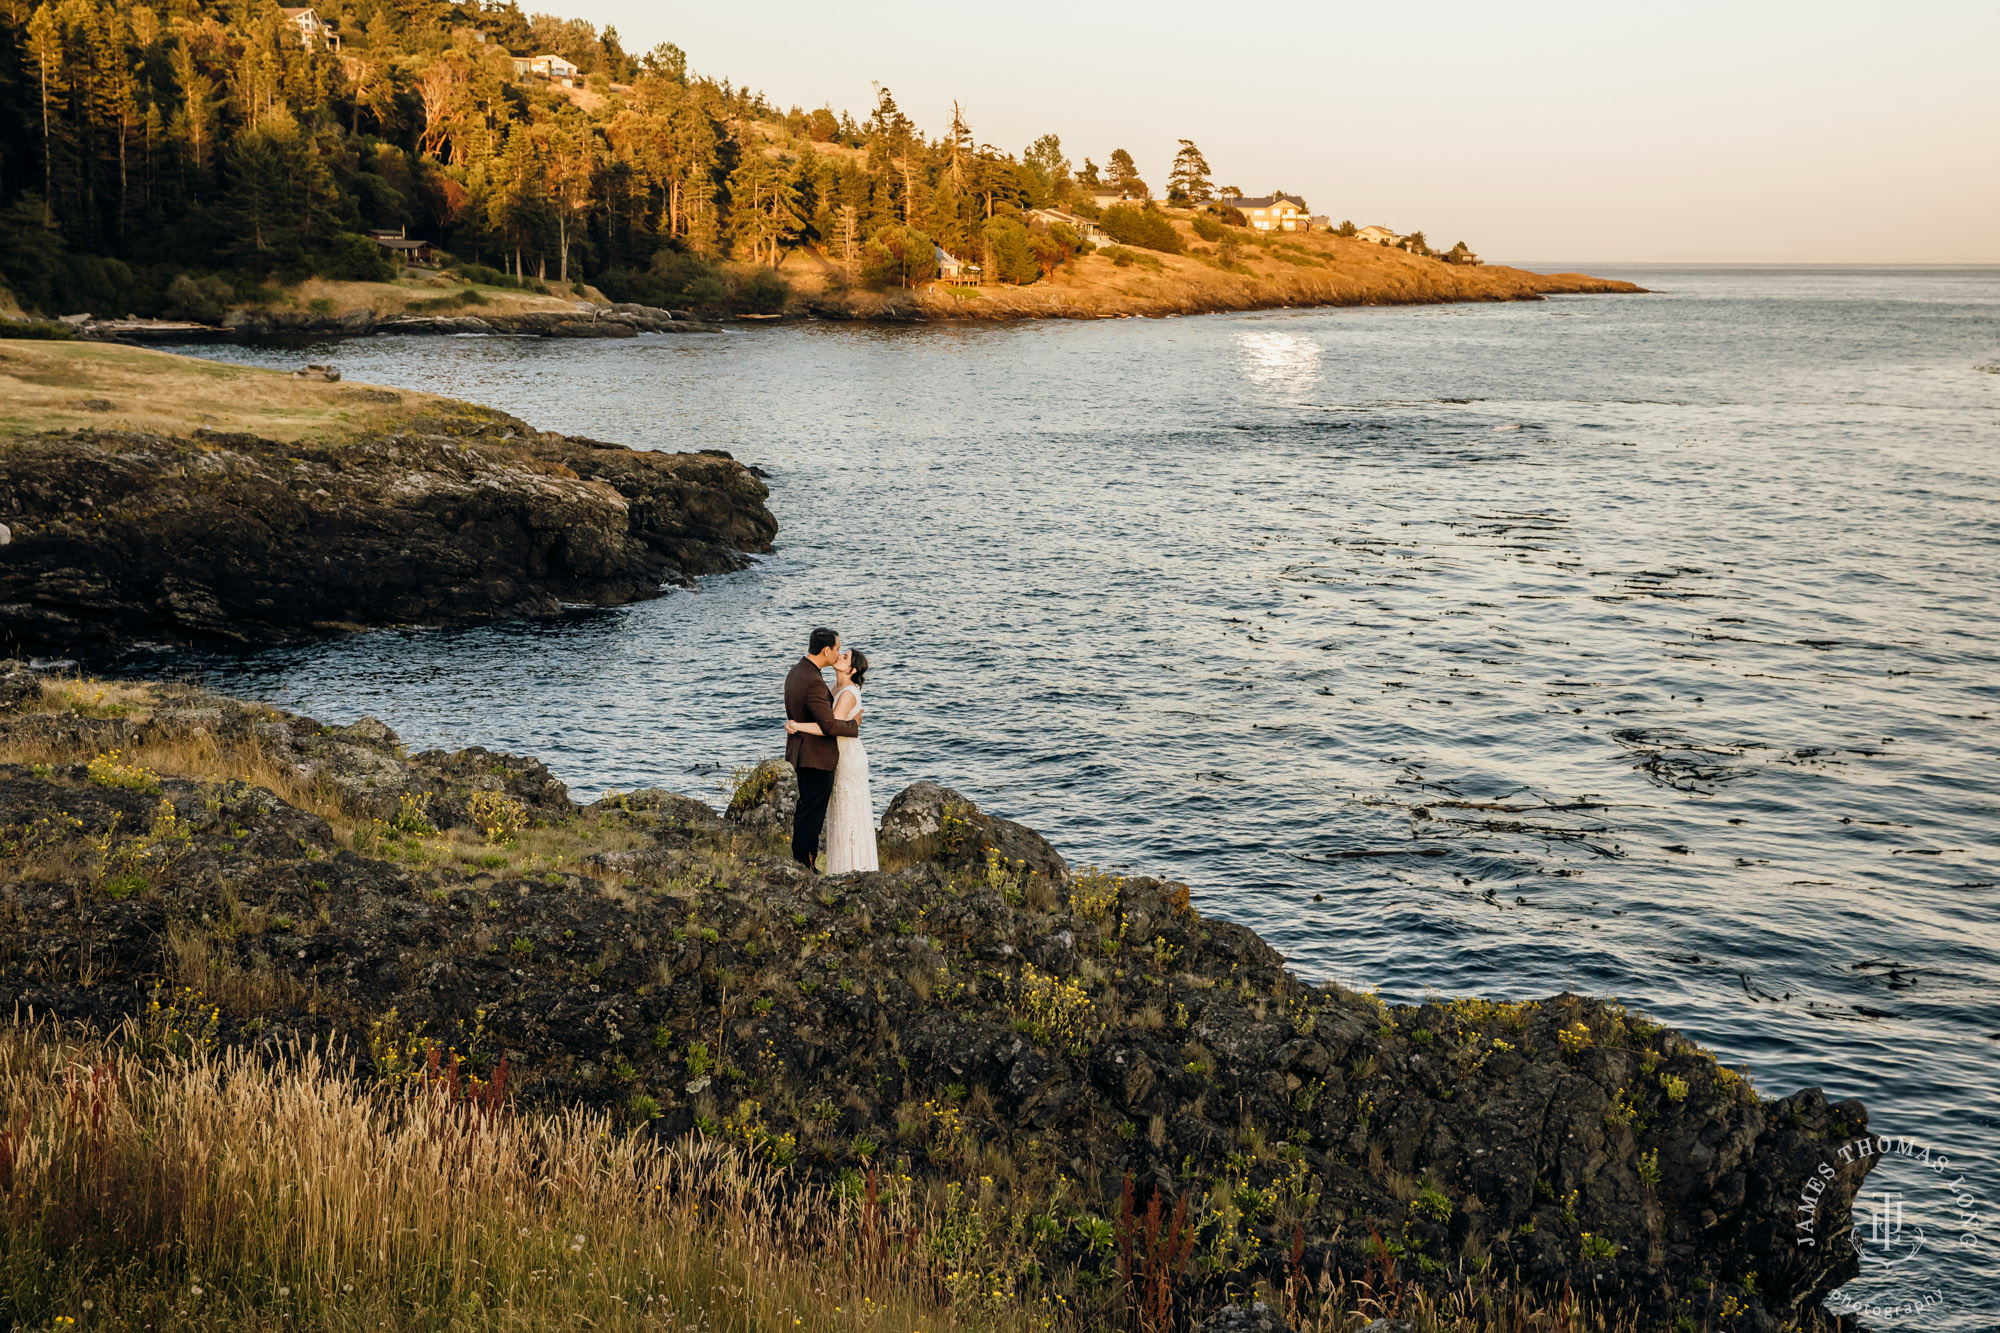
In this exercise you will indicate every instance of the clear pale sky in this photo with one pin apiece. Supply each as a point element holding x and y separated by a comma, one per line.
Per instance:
<point>1745,131</point>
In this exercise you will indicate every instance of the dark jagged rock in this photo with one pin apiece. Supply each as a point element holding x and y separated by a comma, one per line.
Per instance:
<point>766,797</point>
<point>230,538</point>
<point>1258,1317</point>
<point>955,1015</point>
<point>950,827</point>
<point>587,320</point>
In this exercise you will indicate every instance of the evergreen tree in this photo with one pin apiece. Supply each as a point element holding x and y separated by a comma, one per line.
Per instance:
<point>149,141</point>
<point>1124,175</point>
<point>1188,183</point>
<point>1048,171</point>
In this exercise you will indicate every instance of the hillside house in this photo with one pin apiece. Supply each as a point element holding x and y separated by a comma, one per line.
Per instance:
<point>1082,226</point>
<point>1105,197</point>
<point>953,269</point>
<point>1272,212</point>
<point>402,248</point>
<point>1377,236</point>
<point>546,67</point>
<point>312,29</point>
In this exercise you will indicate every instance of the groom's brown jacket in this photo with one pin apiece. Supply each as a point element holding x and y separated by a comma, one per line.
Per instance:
<point>808,700</point>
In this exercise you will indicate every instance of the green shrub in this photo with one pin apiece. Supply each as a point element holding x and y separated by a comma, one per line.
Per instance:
<point>42,330</point>
<point>1433,1203</point>
<point>1010,254</point>
<point>205,300</point>
<point>898,256</point>
<point>1146,227</point>
<point>1123,258</point>
<point>675,279</point>
<point>349,257</point>
<point>762,293</point>
<point>486,277</point>
<point>1208,229</point>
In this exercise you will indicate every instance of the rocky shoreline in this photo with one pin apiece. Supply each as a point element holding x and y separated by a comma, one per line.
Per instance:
<point>978,1012</point>
<point>452,517</point>
<point>586,320</point>
<point>933,303</point>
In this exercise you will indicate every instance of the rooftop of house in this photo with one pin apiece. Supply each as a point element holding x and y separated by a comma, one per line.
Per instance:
<point>1265,201</point>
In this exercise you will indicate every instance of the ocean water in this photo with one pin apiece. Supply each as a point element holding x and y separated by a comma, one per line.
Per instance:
<point>1645,646</point>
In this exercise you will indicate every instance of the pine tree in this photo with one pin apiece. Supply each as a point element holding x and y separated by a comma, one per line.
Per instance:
<point>572,170</point>
<point>1189,183</point>
<point>1125,175</point>
<point>45,52</point>
<point>850,238</point>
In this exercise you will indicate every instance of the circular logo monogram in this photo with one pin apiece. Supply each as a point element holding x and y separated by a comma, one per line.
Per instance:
<point>1921,1229</point>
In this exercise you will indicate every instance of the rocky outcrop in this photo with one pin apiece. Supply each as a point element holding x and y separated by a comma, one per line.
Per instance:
<point>958,1017</point>
<point>586,319</point>
<point>945,826</point>
<point>122,538</point>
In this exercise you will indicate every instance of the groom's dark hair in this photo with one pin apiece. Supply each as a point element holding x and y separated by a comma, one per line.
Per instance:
<point>822,639</point>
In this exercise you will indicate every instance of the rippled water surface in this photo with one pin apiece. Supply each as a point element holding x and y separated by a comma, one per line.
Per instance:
<point>1643,646</point>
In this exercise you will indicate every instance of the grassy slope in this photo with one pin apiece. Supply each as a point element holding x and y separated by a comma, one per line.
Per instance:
<point>408,295</point>
<point>100,386</point>
<point>1295,269</point>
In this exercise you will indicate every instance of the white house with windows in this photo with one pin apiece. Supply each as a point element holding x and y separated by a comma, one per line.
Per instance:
<point>1082,226</point>
<point>1377,236</point>
<point>950,268</point>
<point>312,29</point>
<point>1272,212</point>
<point>546,67</point>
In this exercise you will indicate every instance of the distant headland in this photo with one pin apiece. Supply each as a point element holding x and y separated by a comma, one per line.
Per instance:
<point>434,167</point>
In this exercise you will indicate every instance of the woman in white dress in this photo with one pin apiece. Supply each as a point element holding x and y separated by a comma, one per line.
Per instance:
<point>849,839</point>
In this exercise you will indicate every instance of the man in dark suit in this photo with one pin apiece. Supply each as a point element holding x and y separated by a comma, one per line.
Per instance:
<point>814,757</point>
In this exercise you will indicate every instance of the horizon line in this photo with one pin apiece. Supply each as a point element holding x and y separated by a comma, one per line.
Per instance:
<point>1767,263</point>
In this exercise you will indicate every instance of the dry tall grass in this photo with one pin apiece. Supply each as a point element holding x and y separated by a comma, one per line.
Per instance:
<point>197,757</point>
<point>153,1183</point>
<point>101,386</point>
<point>207,1190</point>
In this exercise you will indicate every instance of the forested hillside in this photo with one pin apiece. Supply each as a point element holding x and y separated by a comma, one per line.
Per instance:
<point>222,143</point>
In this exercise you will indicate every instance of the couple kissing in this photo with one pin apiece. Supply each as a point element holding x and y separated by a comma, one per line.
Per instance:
<point>823,745</point>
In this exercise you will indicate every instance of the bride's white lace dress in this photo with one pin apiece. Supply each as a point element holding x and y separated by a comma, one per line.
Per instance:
<point>850,812</point>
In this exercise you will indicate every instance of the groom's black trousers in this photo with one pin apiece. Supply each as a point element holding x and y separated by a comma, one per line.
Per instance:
<point>815,789</point>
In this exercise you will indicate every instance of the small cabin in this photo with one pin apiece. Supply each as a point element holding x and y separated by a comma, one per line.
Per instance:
<point>1377,236</point>
<point>404,249</point>
<point>951,268</point>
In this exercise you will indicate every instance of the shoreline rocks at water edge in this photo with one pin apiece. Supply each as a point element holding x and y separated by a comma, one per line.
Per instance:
<point>979,1011</point>
<point>452,517</point>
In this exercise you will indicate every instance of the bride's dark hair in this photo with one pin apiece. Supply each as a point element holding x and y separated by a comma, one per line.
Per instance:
<point>857,662</point>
